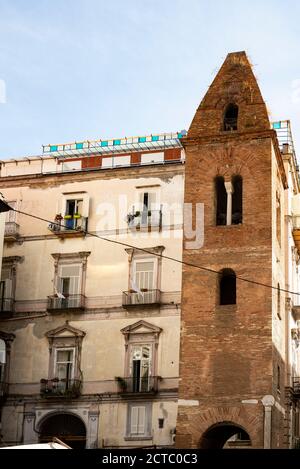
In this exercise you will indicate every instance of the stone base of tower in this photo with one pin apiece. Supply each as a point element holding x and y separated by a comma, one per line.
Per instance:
<point>246,426</point>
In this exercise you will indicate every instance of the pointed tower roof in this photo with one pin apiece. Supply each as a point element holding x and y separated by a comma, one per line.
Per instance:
<point>234,84</point>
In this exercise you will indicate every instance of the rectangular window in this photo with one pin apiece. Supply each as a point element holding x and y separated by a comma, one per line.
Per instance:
<point>69,279</point>
<point>6,289</point>
<point>140,367</point>
<point>138,420</point>
<point>144,271</point>
<point>64,367</point>
<point>69,285</point>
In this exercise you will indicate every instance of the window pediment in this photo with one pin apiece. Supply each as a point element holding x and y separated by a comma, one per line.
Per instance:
<point>141,327</point>
<point>65,331</point>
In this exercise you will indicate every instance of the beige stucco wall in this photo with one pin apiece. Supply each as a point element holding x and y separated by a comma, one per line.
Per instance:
<point>107,276</point>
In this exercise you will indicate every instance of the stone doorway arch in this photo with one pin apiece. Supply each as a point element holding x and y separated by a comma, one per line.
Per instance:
<point>225,435</point>
<point>68,427</point>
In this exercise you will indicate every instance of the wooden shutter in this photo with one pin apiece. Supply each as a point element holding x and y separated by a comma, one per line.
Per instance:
<point>138,420</point>
<point>144,274</point>
<point>134,420</point>
<point>73,273</point>
<point>141,420</point>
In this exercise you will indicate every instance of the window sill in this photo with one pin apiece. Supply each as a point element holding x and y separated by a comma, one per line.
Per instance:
<point>137,438</point>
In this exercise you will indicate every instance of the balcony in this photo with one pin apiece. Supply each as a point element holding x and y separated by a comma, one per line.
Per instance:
<point>147,220</point>
<point>11,231</point>
<point>133,299</point>
<point>67,388</point>
<point>69,226</point>
<point>296,231</point>
<point>6,306</point>
<point>137,385</point>
<point>296,387</point>
<point>71,303</point>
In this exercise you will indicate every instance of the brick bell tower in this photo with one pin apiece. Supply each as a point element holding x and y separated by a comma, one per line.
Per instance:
<point>232,368</point>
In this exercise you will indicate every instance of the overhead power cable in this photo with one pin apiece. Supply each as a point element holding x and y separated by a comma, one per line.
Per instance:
<point>162,256</point>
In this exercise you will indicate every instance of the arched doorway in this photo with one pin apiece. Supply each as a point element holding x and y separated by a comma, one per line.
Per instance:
<point>225,435</point>
<point>66,427</point>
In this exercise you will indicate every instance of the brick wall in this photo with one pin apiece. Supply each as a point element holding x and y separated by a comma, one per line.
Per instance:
<point>227,351</point>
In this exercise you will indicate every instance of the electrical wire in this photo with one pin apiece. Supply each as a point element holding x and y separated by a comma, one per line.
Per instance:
<point>162,256</point>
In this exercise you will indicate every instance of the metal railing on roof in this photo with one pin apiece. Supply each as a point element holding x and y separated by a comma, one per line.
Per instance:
<point>119,145</point>
<point>285,138</point>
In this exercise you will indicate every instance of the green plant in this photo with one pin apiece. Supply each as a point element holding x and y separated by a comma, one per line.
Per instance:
<point>67,217</point>
<point>76,215</point>
<point>121,381</point>
<point>137,214</point>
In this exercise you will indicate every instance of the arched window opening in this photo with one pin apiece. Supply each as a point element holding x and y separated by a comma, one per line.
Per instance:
<point>227,287</point>
<point>2,360</point>
<point>231,117</point>
<point>237,200</point>
<point>278,378</point>
<point>221,196</point>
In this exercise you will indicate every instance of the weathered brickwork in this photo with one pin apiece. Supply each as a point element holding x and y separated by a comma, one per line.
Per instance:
<point>227,352</point>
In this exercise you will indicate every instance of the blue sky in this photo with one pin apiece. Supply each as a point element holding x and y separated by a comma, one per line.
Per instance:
<point>76,70</point>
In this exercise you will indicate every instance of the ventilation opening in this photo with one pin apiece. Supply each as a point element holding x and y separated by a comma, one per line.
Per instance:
<point>231,117</point>
<point>228,287</point>
<point>221,196</point>
<point>237,200</point>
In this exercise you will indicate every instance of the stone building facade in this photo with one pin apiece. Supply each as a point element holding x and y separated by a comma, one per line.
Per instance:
<point>94,309</point>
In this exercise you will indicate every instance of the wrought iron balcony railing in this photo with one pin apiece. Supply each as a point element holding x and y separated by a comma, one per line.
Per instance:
<point>148,384</point>
<point>68,224</point>
<point>11,230</point>
<point>7,305</point>
<point>69,302</point>
<point>144,297</point>
<point>60,387</point>
<point>145,219</point>
<point>296,386</point>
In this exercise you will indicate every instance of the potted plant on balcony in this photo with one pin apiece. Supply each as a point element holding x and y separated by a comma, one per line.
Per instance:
<point>76,215</point>
<point>121,382</point>
<point>67,217</point>
<point>129,218</point>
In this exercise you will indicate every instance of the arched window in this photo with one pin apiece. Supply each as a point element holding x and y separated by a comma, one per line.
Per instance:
<point>227,287</point>
<point>231,117</point>
<point>237,200</point>
<point>221,201</point>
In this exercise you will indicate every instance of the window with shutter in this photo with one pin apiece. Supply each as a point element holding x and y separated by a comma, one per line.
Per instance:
<point>144,274</point>
<point>69,279</point>
<point>140,369</point>
<point>138,420</point>
<point>64,368</point>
